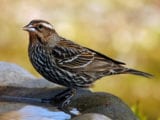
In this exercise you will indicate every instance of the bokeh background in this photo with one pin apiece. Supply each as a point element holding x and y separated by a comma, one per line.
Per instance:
<point>127,30</point>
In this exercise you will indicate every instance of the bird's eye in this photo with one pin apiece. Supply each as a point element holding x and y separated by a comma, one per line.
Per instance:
<point>39,27</point>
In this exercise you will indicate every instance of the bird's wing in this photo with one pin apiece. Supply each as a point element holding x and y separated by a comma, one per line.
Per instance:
<point>71,55</point>
<point>76,57</point>
<point>107,58</point>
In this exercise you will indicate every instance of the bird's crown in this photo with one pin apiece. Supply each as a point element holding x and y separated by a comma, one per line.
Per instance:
<point>38,25</point>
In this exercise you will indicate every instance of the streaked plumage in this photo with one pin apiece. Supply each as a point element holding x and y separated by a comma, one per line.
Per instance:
<point>66,63</point>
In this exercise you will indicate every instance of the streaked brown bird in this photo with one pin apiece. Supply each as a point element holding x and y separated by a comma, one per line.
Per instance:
<point>66,63</point>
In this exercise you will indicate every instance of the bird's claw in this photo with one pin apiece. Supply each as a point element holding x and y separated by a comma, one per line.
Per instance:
<point>62,100</point>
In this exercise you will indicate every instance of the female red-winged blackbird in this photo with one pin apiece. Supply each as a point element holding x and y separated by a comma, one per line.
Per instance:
<point>66,63</point>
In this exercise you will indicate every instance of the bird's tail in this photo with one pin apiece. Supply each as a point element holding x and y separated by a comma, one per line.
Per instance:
<point>140,73</point>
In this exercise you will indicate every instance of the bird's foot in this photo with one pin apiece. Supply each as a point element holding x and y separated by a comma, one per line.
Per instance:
<point>62,100</point>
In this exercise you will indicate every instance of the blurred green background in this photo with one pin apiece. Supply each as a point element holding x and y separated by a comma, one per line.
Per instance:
<point>126,30</point>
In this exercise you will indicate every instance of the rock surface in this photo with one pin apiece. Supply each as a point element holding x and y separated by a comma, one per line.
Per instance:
<point>17,82</point>
<point>14,75</point>
<point>103,103</point>
<point>92,116</point>
<point>34,113</point>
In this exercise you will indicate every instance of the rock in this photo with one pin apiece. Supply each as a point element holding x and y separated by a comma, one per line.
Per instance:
<point>14,75</point>
<point>9,71</point>
<point>85,101</point>
<point>9,106</point>
<point>92,116</point>
<point>103,103</point>
<point>34,113</point>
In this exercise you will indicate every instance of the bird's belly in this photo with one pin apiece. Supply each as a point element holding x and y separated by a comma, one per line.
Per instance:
<point>50,71</point>
<point>45,68</point>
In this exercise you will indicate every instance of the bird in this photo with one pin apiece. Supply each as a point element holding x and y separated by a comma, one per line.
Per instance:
<point>67,63</point>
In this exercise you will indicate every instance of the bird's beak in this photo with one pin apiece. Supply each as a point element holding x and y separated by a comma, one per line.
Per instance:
<point>29,28</point>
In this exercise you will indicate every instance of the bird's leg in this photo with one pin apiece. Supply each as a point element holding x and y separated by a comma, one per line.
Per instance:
<point>65,94</point>
<point>63,99</point>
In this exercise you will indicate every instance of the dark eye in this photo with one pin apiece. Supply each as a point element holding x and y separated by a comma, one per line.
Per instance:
<point>39,27</point>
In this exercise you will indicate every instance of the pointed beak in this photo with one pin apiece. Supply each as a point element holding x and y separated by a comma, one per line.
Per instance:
<point>29,28</point>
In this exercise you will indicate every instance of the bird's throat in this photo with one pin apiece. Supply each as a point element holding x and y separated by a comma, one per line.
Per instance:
<point>34,39</point>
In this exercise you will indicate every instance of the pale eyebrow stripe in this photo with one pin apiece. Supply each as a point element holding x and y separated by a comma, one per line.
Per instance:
<point>47,25</point>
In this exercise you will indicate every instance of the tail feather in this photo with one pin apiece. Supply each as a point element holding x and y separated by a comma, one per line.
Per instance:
<point>140,73</point>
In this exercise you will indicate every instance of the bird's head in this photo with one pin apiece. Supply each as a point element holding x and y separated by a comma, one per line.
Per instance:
<point>40,30</point>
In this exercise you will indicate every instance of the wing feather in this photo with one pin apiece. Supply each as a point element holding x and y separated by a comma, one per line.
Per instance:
<point>71,55</point>
<point>77,58</point>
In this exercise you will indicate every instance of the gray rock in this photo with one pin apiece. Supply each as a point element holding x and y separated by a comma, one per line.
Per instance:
<point>9,106</point>
<point>103,103</point>
<point>92,116</point>
<point>34,113</point>
<point>85,101</point>
<point>14,75</point>
<point>9,71</point>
